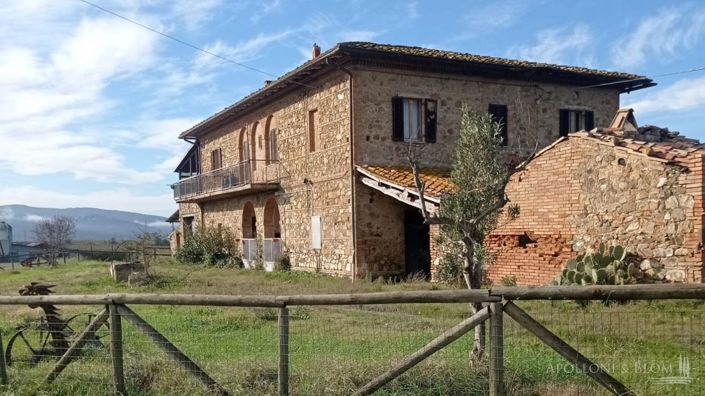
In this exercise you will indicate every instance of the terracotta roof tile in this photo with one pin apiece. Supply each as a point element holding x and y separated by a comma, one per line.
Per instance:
<point>437,180</point>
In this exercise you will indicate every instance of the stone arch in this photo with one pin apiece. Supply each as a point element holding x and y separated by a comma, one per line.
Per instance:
<point>249,221</point>
<point>243,144</point>
<point>272,224</point>
<point>256,130</point>
<point>270,139</point>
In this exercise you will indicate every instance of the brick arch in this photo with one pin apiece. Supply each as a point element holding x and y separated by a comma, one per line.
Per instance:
<point>242,150</point>
<point>270,128</point>
<point>253,144</point>
<point>249,221</point>
<point>272,226</point>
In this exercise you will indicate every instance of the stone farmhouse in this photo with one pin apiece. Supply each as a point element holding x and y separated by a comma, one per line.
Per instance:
<point>640,187</point>
<point>314,164</point>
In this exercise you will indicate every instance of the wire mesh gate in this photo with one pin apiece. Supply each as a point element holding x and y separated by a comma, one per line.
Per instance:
<point>302,344</point>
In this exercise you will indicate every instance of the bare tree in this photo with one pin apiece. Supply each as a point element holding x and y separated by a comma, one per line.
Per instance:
<point>472,209</point>
<point>56,233</point>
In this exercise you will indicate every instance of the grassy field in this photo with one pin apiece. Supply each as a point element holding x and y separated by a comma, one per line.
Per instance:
<point>333,350</point>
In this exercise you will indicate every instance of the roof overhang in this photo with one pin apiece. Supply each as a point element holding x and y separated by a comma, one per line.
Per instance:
<point>400,193</point>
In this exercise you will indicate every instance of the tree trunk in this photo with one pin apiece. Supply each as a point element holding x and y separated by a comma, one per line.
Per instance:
<point>473,280</point>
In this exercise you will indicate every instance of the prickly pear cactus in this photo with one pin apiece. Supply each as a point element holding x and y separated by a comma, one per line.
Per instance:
<point>605,266</point>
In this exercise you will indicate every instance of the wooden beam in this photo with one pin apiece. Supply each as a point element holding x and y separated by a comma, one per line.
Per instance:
<point>496,367</point>
<point>76,347</point>
<point>116,351</point>
<point>424,296</point>
<point>283,372</point>
<point>165,345</point>
<point>432,347</point>
<point>3,366</point>
<point>569,353</point>
<point>617,292</point>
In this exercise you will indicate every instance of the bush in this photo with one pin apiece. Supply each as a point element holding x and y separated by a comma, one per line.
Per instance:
<point>210,247</point>
<point>450,269</point>
<point>509,281</point>
<point>284,263</point>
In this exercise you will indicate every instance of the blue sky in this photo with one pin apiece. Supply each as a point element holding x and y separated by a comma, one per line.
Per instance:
<point>90,105</point>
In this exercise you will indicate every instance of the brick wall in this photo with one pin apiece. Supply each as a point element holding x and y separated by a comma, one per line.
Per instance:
<point>581,193</point>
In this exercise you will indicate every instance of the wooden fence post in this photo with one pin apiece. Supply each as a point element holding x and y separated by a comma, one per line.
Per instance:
<point>496,350</point>
<point>283,374</point>
<point>3,368</point>
<point>116,350</point>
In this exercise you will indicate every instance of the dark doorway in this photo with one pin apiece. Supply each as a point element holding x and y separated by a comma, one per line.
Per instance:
<point>416,244</point>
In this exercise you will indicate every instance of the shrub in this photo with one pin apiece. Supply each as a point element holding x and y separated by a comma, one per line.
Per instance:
<point>450,269</point>
<point>284,263</point>
<point>509,281</point>
<point>210,246</point>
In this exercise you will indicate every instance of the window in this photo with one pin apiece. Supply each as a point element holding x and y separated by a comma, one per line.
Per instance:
<point>273,152</point>
<point>499,114</point>
<point>216,159</point>
<point>314,141</point>
<point>575,120</point>
<point>413,120</point>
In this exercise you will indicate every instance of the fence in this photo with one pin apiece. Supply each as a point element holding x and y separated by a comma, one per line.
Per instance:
<point>540,342</point>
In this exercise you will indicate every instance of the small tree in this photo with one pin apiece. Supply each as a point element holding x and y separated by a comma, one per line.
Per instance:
<point>472,209</point>
<point>56,233</point>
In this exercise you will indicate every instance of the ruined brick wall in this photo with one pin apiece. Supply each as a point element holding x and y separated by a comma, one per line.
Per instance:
<point>531,107</point>
<point>327,170</point>
<point>581,193</point>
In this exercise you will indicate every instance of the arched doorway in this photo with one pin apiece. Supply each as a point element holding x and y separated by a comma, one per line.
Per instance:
<point>272,235</point>
<point>249,235</point>
<point>272,228</point>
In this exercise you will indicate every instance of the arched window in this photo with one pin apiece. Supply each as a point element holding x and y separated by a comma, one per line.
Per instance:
<point>249,221</point>
<point>253,145</point>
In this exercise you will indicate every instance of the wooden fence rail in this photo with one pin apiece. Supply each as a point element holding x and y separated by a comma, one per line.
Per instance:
<point>498,301</point>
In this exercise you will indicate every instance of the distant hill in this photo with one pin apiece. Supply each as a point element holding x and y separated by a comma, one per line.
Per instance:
<point>91,223</point>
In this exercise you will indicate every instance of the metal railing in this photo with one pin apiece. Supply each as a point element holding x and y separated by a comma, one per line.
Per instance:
<point>227,178</point>
<point>249,252</point>
<point>272,252</point>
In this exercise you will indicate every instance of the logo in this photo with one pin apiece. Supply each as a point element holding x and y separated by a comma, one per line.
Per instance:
<point>683,377</point>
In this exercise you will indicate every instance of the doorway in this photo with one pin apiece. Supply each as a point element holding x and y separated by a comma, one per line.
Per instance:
<point>416,244</point>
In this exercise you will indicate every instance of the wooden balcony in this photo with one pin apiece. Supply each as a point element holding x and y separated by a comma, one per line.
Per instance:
<point>240,179</point>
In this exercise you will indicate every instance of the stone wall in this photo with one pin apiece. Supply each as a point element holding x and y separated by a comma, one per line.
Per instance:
<point>533,111</point>
<point>531,107</point>
<point>581,193</point>
<point>327,190</point>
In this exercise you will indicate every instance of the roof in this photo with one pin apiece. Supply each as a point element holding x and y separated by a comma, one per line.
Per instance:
<point>174,218</point>
<point>428,59</point>
<point>650,141</point>
<point>436,180</point>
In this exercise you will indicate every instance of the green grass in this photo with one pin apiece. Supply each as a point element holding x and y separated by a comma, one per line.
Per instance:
<point>334,350</point>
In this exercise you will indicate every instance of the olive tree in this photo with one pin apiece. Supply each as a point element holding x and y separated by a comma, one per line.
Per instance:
<point>468,213</point>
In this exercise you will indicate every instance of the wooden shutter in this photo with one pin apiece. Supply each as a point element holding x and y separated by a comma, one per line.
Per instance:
<point>216,159</point>
<point>398,119</point>
<point>431,107</point>
<point>499,114</point>
<point>564,122</point>
<point>589,120</point>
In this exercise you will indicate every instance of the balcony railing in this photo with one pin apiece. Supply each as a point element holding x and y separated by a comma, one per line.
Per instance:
<point>227,179</point>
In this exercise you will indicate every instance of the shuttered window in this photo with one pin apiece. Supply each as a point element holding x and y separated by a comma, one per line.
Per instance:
<point>575,120</point>
<point>499,114</point>
<point>414,120</point>
<point>216,159</point>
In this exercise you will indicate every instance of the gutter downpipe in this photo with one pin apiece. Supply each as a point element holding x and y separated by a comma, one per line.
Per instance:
<point>352,173</point>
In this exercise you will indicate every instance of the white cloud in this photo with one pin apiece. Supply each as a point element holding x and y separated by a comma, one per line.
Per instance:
<point>685,94</point>
<point>116,199</point>
<point>34,218</point>
<point>557,46</point>
<point>195,13</point>
<point>6,214</point>
<point>266,8</point>
<point>663,34</point>
<point>153,223</point>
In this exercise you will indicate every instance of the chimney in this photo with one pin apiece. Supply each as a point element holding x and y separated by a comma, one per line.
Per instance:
<point>267,82</point>
<point>315,51</point>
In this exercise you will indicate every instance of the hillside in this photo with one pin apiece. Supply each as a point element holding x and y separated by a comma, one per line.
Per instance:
<point>91,223</point>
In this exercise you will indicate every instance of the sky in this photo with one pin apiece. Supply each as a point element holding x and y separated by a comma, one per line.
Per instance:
<point>91,105</point>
